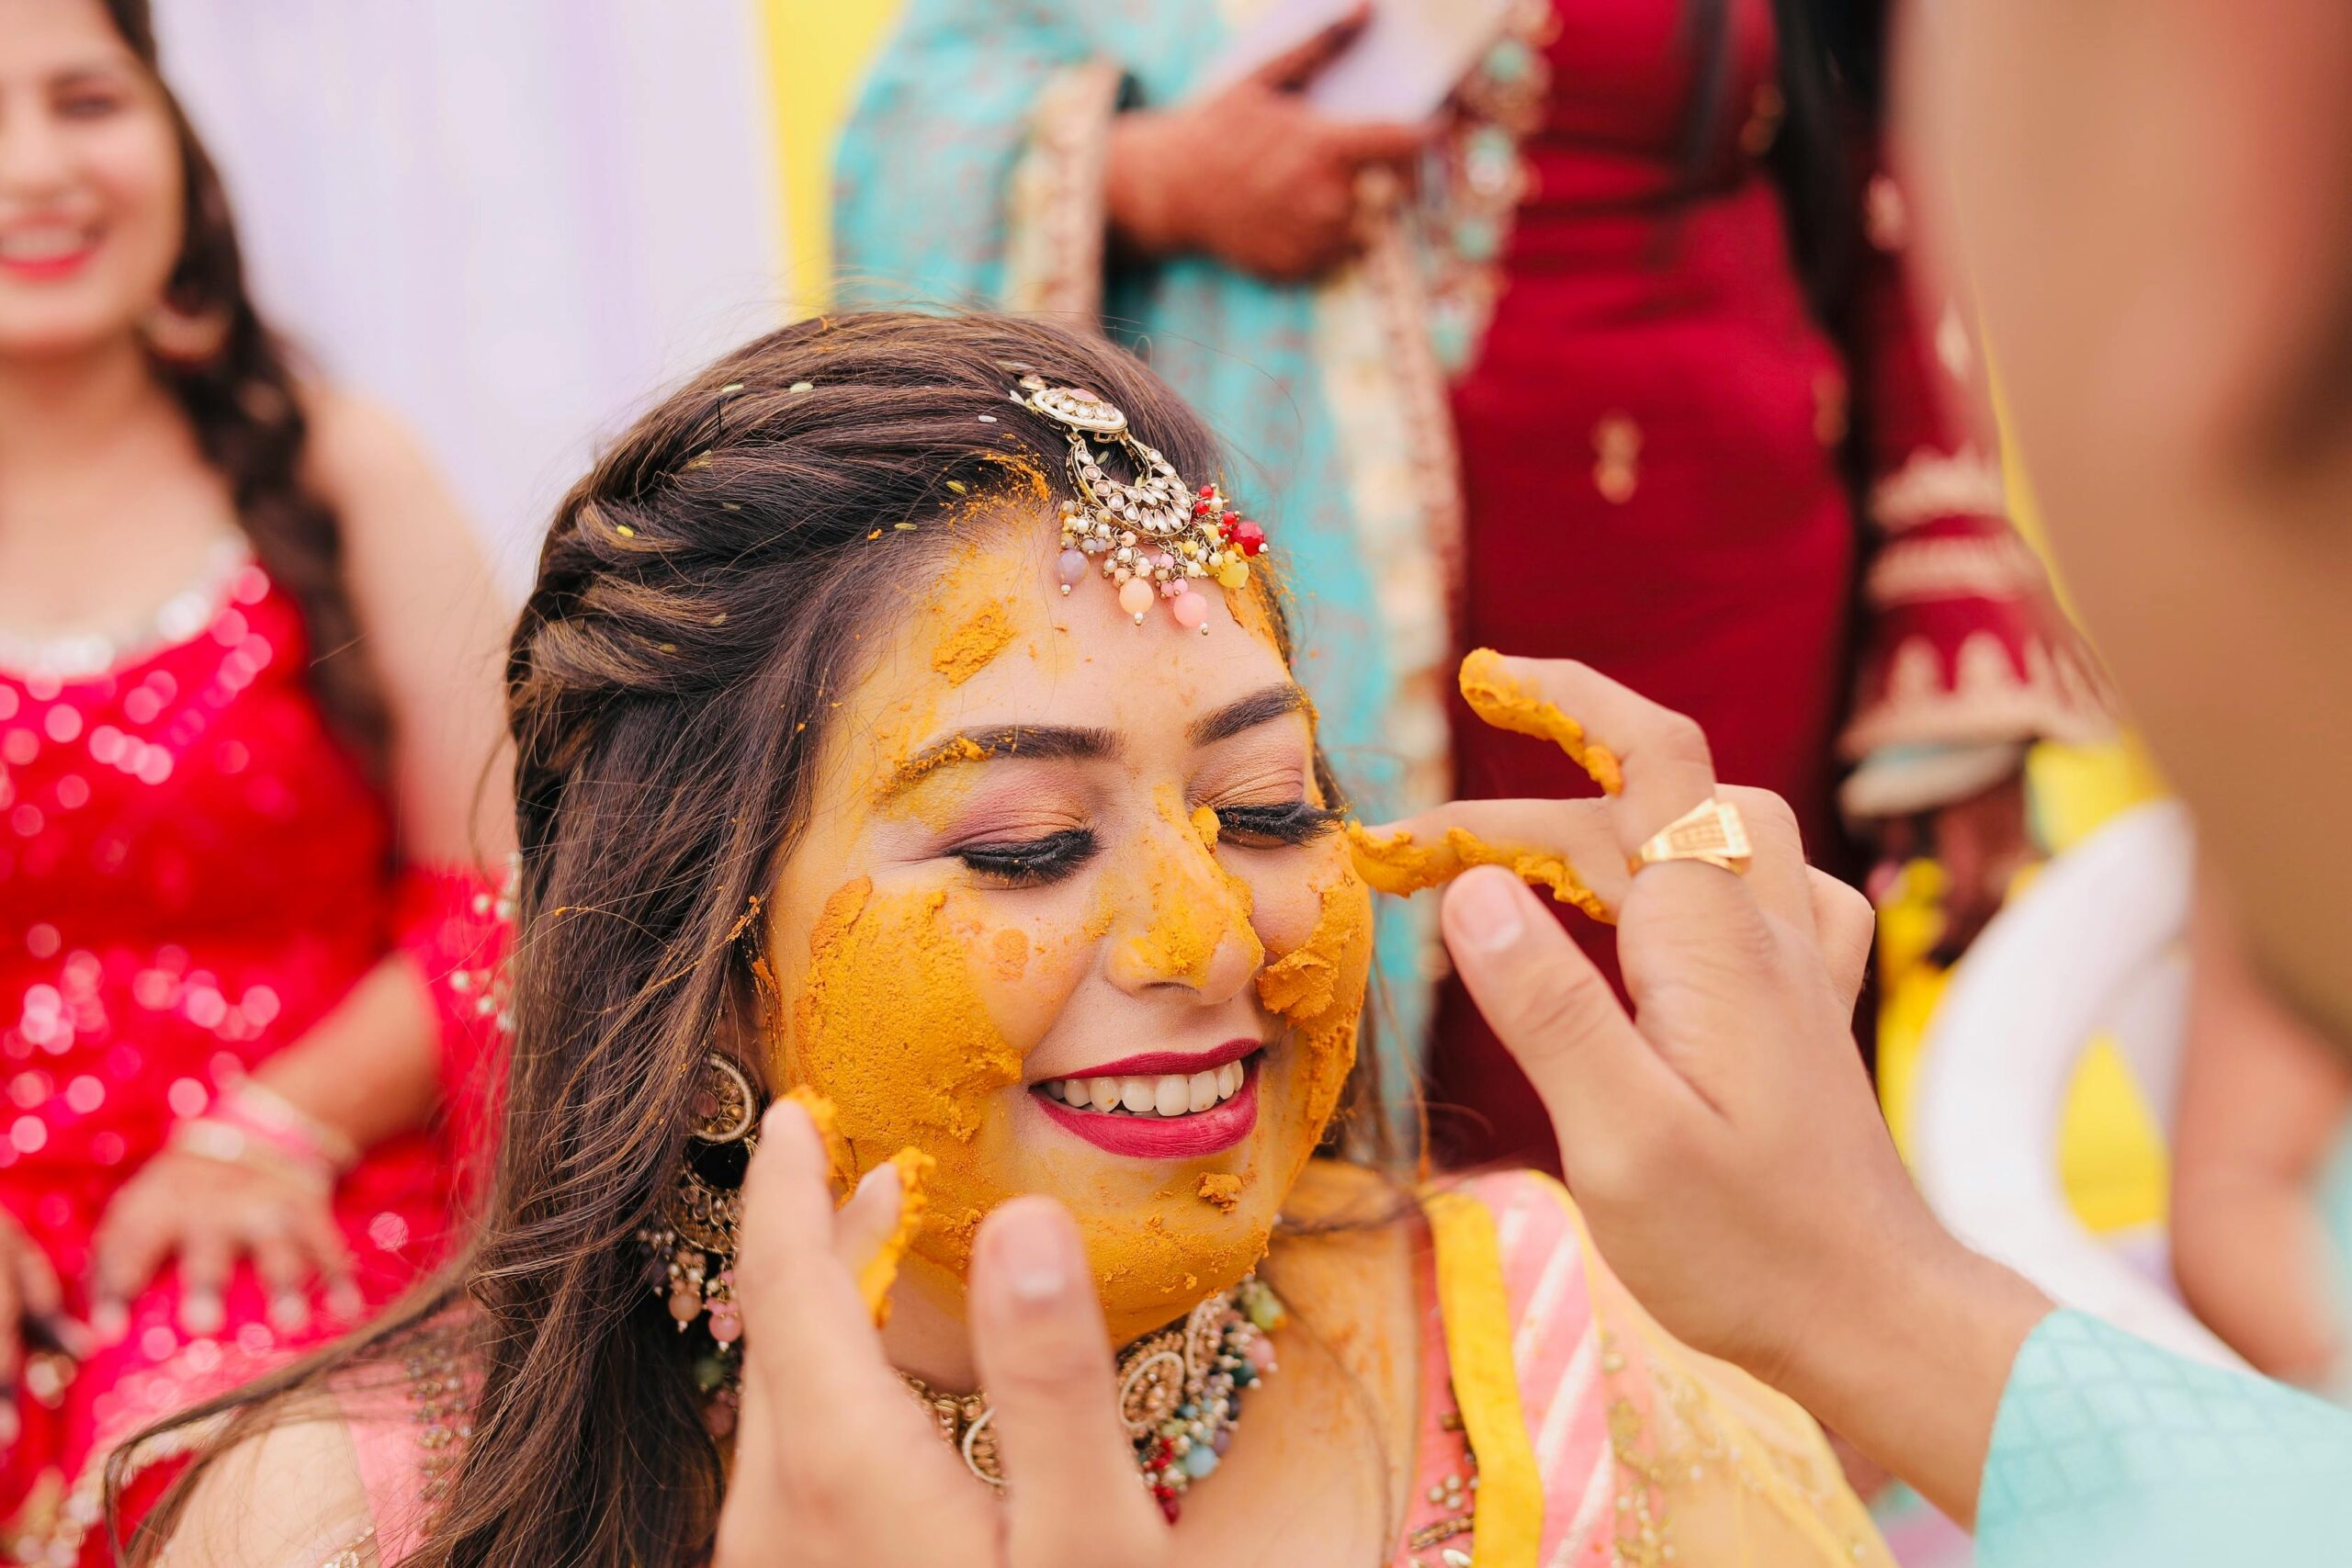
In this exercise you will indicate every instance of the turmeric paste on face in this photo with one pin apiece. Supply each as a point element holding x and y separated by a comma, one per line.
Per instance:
<point>1318,988</point>
<point>966,651</point>
<point>888,1026</point>
<point>1398,865</point>
<point>1502,702</point>
<point>1194,907</point>
<point>1220,1191</point>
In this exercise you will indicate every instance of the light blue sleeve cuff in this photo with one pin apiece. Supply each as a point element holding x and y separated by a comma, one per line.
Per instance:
<point>2109,1452</point>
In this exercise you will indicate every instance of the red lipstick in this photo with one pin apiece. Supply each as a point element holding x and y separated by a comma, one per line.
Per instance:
<point>1202,1132</point>
<point>48,269</point>
<point>1160,1064</point>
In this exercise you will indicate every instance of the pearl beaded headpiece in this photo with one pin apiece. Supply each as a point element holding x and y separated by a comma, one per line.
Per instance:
<point>1149,534</point>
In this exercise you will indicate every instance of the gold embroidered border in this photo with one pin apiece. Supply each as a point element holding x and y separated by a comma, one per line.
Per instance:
<point>1055,221</point>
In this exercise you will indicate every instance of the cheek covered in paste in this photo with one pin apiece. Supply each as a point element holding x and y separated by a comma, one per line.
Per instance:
<point>1316,989</point>
<point>890,1027</point>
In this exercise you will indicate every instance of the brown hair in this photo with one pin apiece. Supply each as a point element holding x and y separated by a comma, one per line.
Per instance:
<point>242,400</point>
<point>698,597</point>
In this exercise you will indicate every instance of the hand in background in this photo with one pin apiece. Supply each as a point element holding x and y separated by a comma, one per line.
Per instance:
<point>1254,175</point>
<point>208,1214</point>
<point>29,1294</point>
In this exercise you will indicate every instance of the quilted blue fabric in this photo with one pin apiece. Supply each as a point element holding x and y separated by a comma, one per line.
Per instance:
<point>2110,1453</point>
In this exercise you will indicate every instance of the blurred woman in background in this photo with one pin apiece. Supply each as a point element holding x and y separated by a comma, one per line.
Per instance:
<point>247,690</point>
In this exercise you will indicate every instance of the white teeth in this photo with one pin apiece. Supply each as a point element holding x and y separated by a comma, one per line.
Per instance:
<point>1169,1094</point>
<point>40,245</point>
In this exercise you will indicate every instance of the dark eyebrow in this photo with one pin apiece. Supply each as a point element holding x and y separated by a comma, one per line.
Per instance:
<point>1258,707</point>
<point>1036,742</point>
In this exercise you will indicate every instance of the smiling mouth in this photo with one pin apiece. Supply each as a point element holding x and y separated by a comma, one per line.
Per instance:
<point>1167,1094</point>
<point>1161,1115</point>
<point>45,248</point>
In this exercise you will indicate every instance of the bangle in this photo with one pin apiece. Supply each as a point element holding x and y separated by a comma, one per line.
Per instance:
<point>228,1144</point>
<point>270,1116</point>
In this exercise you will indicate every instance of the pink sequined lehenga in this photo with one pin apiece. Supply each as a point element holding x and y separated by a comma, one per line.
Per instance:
<point>192,874</point>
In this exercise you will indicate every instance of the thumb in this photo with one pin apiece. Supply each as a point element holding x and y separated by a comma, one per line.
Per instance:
<point>1553,1009</point>
<point>1296,66</point>
<point>1042,1352</point>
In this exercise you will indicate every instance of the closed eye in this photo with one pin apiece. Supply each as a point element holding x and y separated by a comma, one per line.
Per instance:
<point>1032,862</point>
<point>1272,827</point>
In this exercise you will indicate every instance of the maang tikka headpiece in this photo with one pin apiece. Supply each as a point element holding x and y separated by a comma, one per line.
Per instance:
<point>1149,534</point>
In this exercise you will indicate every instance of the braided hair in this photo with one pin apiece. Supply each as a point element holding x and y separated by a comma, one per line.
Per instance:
<point>698,606</point>
<point>240,397</point>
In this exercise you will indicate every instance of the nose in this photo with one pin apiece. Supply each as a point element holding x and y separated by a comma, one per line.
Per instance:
<point>34,164</point>
<point>1179,918</point>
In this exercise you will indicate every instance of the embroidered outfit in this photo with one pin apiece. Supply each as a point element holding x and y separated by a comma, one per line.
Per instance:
<point>192,874</point>
<point>1559,1428</point>
<point>1656,445</point>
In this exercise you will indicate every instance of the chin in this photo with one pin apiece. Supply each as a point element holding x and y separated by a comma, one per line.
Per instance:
<point>37,329</point>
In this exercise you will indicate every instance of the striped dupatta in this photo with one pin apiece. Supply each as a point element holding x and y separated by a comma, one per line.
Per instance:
<point>1599,1439</point>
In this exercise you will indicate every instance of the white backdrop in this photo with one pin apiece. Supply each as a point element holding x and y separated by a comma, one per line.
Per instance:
<point>509,220</point>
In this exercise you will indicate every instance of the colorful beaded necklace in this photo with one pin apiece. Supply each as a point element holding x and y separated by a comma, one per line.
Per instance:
<point>1180,1393</point>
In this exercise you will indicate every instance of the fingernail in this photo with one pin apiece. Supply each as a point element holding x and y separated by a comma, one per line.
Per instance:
<point>344,1300</point>
<point>289,1311</point>
<point>110,1320</point>
<point>200,1312</point>
<point>1032,1254</point>
<point>1485,906</point>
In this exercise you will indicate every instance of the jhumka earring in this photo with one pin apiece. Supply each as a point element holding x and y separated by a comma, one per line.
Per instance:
<point>692,1255</point>
<point>1148,533</point>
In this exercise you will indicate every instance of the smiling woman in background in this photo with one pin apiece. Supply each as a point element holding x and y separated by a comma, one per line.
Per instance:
<point>245,692</point>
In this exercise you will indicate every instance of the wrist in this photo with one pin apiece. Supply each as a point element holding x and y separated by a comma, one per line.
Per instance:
<point>1943,1326</point>
<point>254,1126</point>
<point>1136,203</point>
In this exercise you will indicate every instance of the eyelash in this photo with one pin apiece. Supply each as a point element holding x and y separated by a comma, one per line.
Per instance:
<point>1040,862</point>
<point>1033,863</point>
<point>1292,823</point>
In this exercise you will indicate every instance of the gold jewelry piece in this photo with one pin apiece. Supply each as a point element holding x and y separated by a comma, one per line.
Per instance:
<point>1180,1395</point>
<point>1710,831</point>
<point>691,1255</point>
<point>1149,534</point>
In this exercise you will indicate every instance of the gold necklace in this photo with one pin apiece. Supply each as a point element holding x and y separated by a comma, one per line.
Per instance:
<point>1180,1393</point>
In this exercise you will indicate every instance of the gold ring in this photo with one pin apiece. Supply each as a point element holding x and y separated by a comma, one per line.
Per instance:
<point>1710,831</point>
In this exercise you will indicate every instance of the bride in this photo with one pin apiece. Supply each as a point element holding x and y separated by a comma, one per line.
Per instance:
<point>907,726</point>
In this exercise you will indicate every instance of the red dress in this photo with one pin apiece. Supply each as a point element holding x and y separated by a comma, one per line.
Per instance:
<point>1651,447</point>
<point>192,872</point>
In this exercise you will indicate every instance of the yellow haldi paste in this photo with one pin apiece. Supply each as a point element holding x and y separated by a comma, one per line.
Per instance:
<point>1398,865</point>
<point>966,651</point>
<point>1502,702</point>
<point>1220,1191</point>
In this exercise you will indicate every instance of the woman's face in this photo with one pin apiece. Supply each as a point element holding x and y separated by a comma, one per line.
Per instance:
<point>90,181</point>
<point>1063,921</point>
